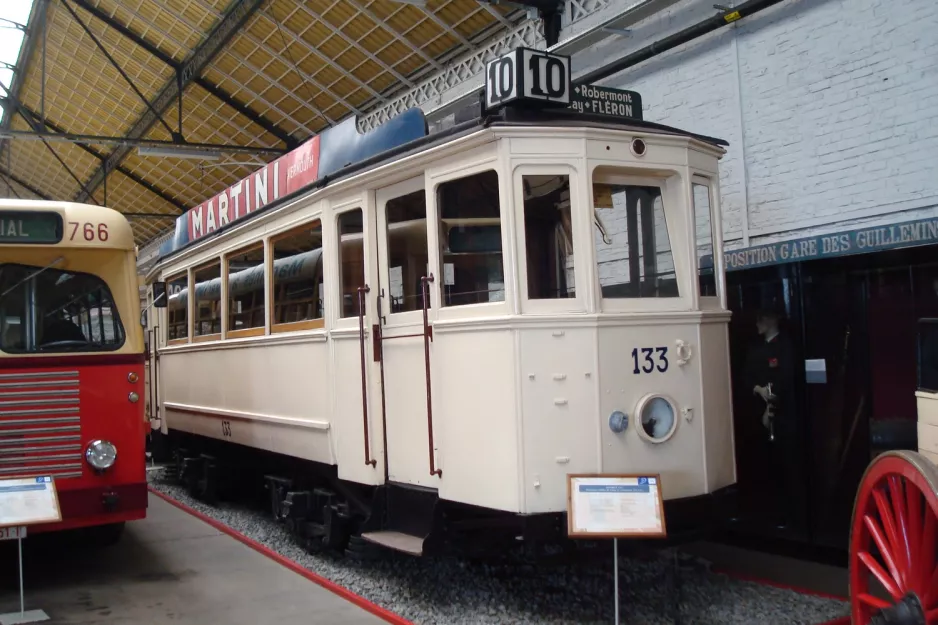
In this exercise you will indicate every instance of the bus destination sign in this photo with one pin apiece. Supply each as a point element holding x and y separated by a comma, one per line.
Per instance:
<point>30,227</point>
<point>606,101</point>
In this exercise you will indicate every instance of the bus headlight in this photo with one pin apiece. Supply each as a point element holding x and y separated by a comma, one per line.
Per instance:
<point>100,455</point>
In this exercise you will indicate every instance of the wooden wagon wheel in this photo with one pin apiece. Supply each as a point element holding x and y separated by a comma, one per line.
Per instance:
<point>894,536</point>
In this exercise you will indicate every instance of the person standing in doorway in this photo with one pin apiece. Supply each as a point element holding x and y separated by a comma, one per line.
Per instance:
<point>769,372</point>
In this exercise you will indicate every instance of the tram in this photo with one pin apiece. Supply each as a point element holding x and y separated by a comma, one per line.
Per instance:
<point>410,338</point>
<point>72,361</point>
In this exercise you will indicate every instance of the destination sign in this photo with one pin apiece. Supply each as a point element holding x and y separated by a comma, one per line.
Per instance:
<point>30,227</point>
<point>607,101</point>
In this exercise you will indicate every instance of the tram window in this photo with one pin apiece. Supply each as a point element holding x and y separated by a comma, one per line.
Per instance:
<point>207,300</point>
<point>177,308</point>
<point>297,278</point>
<point>352,260</point>
<point>471,240</point>
<point>246,292</point>
<point>548,232</point>
<point>407,250</point>
<point>704,226</point>
<point>47,310</point>
<point>633,249</point>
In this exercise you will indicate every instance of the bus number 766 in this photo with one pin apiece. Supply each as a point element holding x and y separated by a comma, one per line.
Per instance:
<point>89,231</point>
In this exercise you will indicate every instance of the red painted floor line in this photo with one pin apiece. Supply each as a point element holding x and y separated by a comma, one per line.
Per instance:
<point>345,593</point>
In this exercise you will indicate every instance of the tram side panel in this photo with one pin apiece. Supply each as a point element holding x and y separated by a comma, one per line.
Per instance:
<point>558,384</point>
<point>642,376</point>
<point>476,408</point>
<point>717,414</point>
<point>272,397</point>
<point>347,425</point>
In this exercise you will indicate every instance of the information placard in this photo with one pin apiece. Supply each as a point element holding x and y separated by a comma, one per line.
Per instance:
<point>615,506</point>
<point>28,501</point>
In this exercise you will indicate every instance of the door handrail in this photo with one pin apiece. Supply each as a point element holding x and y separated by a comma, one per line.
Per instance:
<point>427,337</point>
<point>361,340</point>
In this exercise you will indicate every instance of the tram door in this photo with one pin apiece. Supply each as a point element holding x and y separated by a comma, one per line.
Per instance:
<point>403,299</point>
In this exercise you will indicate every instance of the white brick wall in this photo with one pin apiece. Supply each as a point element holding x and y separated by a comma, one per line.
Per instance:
<point>833,102</point>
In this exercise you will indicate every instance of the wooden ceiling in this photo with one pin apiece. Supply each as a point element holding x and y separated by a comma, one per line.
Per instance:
<point>263,74</point>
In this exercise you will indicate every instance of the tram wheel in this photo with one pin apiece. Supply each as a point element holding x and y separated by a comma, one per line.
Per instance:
<point>894,535</point>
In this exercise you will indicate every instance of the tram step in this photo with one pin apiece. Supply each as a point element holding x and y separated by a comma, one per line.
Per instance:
<point>409,510</point>
<point>397,541</point>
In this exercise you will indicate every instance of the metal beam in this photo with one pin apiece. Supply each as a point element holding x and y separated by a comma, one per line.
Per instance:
<point>289,140</point>
<point>24,184</point>
<point>235,17</point>
<point>127,144</point>
<point>120,70</point>
<point>32,35</point>
<point>206,84</point>
<point>127,32</point>
<point>28,113</point>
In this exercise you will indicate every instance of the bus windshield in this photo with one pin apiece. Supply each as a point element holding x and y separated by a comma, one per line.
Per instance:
<point>47,310</point>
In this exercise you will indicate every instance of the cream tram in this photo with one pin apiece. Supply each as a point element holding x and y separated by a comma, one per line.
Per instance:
<point>409,337</point>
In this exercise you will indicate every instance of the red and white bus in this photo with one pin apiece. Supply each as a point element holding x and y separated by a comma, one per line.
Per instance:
<point>72,361</point>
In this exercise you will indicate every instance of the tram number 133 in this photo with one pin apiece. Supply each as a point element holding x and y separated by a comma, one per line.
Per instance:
<point>644,360</point>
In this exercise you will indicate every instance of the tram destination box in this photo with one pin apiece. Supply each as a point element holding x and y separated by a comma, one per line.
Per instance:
<point>606,101</point>
<point>615,506</point>
<point>526,76</point>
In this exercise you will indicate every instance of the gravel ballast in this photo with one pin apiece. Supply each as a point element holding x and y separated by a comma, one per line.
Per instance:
<point>455,591</point>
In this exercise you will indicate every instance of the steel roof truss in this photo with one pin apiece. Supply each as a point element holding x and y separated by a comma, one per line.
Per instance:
<point>238,13</point>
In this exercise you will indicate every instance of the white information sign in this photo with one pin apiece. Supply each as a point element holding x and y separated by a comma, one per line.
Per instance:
<point>614,506</point>
<point>28,501</point>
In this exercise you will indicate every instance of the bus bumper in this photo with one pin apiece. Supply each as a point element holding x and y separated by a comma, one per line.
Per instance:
<point>99,505</point>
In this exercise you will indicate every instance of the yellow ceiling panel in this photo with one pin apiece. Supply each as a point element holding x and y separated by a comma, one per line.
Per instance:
<point>301,65</point>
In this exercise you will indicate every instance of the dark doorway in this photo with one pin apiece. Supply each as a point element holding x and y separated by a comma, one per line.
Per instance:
<point>770,456</point>
<point>852,322</point>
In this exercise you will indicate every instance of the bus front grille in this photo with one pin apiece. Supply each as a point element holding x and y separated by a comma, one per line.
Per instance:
<point>40,426</point>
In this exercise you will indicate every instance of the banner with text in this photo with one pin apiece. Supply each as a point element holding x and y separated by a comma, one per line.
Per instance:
<point>851,242</point>
<point>322,155</point>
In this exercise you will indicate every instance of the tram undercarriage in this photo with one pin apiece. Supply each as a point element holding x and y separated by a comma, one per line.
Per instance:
<point>325,513</point>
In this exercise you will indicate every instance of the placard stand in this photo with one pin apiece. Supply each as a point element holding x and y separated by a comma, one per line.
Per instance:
<point>25,502</point>
<point>615,506</point>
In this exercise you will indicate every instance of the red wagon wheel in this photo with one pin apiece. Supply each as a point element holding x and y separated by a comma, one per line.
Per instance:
<point>894,537</point>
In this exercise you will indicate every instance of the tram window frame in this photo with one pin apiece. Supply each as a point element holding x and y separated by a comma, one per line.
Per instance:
<point>339,290</point>
<point>715,300</point>
<point>194,302</point>
<point>169,280</point>
<point>675,206</point>
<point>314,323</point>
<point>226,293</point>
<point>578,302</point>
<point>384,196</point>
<point>492,166</point>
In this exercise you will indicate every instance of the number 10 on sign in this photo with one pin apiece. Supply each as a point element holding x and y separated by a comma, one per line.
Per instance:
<point>526,74</point>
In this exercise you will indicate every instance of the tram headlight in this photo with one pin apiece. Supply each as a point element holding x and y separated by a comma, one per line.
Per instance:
<point>657,416</point>
<point>101,455</point>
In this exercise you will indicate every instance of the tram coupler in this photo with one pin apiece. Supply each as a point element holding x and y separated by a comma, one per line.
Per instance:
<point>277,488</point>
<point>909,611</point>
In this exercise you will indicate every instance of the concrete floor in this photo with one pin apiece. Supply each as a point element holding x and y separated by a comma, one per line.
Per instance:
<point>168,568</point>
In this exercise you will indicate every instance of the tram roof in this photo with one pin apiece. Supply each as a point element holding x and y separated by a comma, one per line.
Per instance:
<point>507,117</point>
